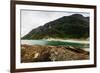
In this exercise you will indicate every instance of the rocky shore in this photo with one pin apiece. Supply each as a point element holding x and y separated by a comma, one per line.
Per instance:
<point>40,53</point>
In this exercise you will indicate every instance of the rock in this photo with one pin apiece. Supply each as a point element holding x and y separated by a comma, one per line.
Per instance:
<point>39,53</point>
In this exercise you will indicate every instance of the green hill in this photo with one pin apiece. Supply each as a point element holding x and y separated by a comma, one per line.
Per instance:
<point>75,26</point>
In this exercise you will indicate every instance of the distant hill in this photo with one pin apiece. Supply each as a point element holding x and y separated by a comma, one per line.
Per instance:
<point>75,26</point>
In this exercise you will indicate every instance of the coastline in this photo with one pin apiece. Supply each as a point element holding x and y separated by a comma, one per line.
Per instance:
<point>44,41</point>
<point>40,53</point>
<point>69,40</point>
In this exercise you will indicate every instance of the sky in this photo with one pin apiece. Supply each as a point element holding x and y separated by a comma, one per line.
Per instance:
<point>31,19</point>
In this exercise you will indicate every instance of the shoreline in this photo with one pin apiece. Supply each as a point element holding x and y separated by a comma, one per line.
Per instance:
<point>64,40</point>
<point>40,53</point>
<point>69,40</point>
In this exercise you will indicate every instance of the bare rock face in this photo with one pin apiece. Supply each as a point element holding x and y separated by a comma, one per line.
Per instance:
<point>34,53</point>
<point>39,53</point>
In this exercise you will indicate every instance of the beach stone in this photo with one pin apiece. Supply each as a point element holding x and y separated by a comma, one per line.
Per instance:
<point>43,53</point>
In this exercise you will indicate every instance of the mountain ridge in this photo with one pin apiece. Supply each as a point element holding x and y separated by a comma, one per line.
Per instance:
<point>73,26</point>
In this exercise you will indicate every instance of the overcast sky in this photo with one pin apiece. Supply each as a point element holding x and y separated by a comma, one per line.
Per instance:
<point>32,19</point>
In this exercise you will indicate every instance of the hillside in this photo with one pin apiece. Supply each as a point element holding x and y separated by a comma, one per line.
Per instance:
<point>75,26</point>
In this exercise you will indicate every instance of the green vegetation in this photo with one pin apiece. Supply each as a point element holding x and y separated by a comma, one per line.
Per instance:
<point>74,26</point>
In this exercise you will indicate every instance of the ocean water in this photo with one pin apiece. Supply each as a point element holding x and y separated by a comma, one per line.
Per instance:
<point>55,43</point>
